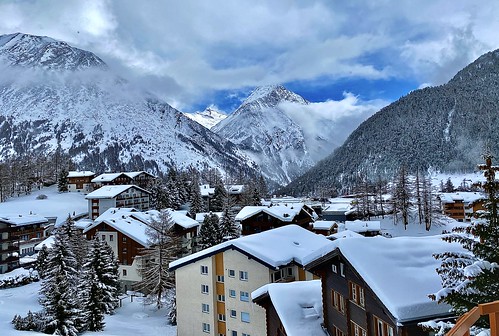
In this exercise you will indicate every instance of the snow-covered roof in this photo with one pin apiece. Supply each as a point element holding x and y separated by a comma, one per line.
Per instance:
<point>111,191</point>
<point>206,190</point>
<point>285,213</point>
<point>106,177</point>
<point>274,248</point>
<point>80,173</point>
<point>341,205</point>
<point>49,242</point>
<point>323,225</point>
<point>400,271</point>
<point>363,226</point>
<point>298,305</point>
<point>462,196</point>
<point>134,174</point>
<point>114,213</point>
<point>345,234</point>
<point>178,217</point>
<point>21,220</point>
<point>235,189</point>
<point>127,225</point>
<point>83,223</point>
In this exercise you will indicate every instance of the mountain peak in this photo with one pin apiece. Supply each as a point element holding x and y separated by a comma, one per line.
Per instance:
<point>273,93</point>
<point>31,51</point>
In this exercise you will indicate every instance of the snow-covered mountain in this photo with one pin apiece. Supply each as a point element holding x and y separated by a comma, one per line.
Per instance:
<point>267,134</point>
<point>208,118</point>
<point>54,95</point>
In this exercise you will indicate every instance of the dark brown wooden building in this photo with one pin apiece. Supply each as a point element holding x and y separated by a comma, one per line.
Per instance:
<point>379,286</point>
<point>255,219</point>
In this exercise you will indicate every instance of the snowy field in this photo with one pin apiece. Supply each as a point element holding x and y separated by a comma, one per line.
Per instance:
<point>56,204</point>
<point>133,319</point>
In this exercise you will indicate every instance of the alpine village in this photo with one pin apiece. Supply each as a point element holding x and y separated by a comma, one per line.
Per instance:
<point>121,215</point>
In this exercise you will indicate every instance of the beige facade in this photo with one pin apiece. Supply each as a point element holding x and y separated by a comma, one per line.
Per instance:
<point>214,294</point>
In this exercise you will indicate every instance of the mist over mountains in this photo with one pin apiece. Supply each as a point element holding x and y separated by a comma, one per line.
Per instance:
<point>444,128</point>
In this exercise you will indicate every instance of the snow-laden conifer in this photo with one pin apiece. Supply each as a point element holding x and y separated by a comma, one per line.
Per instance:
<point>209,234</point>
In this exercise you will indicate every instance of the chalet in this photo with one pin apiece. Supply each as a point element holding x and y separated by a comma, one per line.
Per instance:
<point>207,194</point>
<point>379,286</point>
<point>141,179</point>
<point>339,209</point>
<point>213,286</point>
<point>292,309</point>
<point>117,196</point>
<point>462,206</point>
<point>184,226</point>
<point>324,227</point>
<point>254,219</point>
<point>365,228</point>
<point>126,236</point>
<point>18,236</point>
<point>80,181</point>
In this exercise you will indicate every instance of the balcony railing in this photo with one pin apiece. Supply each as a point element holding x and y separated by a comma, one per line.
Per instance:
<point>465,322</point>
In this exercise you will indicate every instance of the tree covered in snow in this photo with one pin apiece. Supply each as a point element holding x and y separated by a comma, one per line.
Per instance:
<point>58,295</point>
<point>165,246</point>
<point>41,261</point>
<point>472,277</point>
<point>62,182</point>
<point>195,198</point>
<point>219,197</point>
<point>228,227</point>
<point>209,234</point>
<point>171,306</point>
<point>401,196</point>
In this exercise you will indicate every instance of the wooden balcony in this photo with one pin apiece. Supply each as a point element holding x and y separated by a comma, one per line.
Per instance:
<point>465,322</point>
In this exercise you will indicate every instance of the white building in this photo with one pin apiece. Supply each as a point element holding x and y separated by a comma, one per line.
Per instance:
<point>214,285</point>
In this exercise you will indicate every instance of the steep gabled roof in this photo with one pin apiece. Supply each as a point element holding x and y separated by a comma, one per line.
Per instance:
<point>285,213</point>
<point>106,177</point>
<point>127,225</point>
<point>298,305</point>
<point>178,217</point>
<point>273,248</point>
<point>80,173</point>
<point>111,191</point>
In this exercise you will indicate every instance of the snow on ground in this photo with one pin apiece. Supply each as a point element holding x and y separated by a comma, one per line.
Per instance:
<point>56,204</point>
<point>414,229</point>
<point>133,319</point>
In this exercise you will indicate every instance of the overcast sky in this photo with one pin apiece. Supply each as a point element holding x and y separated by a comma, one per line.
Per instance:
<point>195,53</point>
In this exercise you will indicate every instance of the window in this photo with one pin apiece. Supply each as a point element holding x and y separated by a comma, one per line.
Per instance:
<point>206,328</point>
<point>244,334</point>
<point>204,289</point>
<point>124,239</point>
<point>356,294</point>
<point>357,330</point>
<point>234,333</point>
<point>334,268</point>
<point>124,272</point>
<point>244,296</point>
<point>243,275</point>
<point>342,269</point>
<point>220,278</point>
<point>232,293</point>
<point>337,331</point>
<point>382,328</point>
<point>103,237</point>
<point>338,301</point>
<point>205,308</point>
<point>245,317</point>
<point>233,313</point>
<point>111,237</point>
<point>232,273</point>
<point>204,269</point>
<point>221,298</point>
<point>221,317</point>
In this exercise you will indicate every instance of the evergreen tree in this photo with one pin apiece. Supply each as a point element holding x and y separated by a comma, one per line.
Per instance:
<point>471,278</point>
<point>228,228</point>
<point>195,198</point>
<point>165,246</point>
<point>219,197</point>
<point>449,186</point>
<point>209,234</point>
<point>171,305</point>
<point>41,261</point>
<point>58,296</point>
<point>77,242</point>
<point>402,196</point>
<point>62,183</point>
<point>160,198</point>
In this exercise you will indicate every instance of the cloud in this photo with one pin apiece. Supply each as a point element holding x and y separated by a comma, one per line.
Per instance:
<point>327,124</point>
<point>185,50</point>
